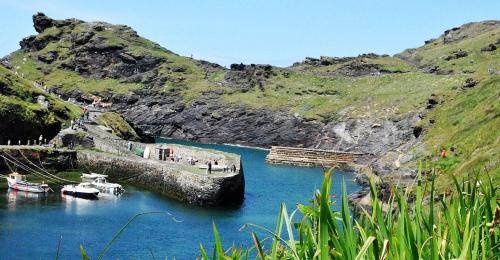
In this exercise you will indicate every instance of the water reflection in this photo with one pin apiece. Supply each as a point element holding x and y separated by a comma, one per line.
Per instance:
<point>80,206</point>
<point>22,198</point>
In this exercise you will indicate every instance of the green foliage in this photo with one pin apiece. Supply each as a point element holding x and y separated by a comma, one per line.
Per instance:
<point>466,225</point>
<point>118,124</point>
<point>18,105</point>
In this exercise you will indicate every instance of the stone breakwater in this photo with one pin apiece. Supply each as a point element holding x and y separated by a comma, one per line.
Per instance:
<point>310,157</point>
<point>176,180</point>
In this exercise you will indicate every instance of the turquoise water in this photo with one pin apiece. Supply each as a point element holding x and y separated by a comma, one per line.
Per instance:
<point>31,226</point>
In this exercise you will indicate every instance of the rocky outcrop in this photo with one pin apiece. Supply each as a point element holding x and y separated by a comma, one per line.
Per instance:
<point>456,55</point>
<point>209,121</point>
<point>489,47</point>
<point>467,30</point>
<point>246,77</point>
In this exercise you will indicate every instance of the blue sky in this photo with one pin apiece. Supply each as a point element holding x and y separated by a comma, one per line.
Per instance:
<point>274,32</point>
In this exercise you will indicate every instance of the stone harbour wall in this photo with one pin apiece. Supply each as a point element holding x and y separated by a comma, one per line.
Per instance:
<point>171,179</point>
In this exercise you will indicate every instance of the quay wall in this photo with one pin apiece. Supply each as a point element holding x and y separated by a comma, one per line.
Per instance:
<point>170,179</point>
<point>309,157</point>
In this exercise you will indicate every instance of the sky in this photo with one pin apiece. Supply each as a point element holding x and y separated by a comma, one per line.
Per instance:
<point>273,32</point>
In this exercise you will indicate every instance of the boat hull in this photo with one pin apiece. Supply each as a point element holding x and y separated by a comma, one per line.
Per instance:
<point>83,195</point>
<point>28,187</point>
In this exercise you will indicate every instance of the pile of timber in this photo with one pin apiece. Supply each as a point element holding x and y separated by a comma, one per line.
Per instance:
<point>308,156</point>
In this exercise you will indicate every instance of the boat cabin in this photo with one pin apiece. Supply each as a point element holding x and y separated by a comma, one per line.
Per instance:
<point>100,180</point>
<point>17,177</point>
<point>85,185</point>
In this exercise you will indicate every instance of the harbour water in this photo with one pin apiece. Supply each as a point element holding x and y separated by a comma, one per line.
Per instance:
<point>34,226</point>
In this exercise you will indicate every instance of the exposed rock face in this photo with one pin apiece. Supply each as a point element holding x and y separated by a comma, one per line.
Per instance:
<point>346,66</point>
<point>208,121</point>
<point>42,22</point>
<point>373,137</point>
<point>91,55</point>
<point>246,77</point>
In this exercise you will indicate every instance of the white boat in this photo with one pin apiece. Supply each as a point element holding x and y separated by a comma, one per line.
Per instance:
<point>18,181</point>
<point>99,182</point>
<point>106,187</point>
<point>83,190</point>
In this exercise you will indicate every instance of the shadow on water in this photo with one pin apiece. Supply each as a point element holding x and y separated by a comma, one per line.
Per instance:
<point>33,224</point>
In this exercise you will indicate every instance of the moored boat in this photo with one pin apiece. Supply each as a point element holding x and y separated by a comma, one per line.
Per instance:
<point>18,181</point>
<point>99,182</point>
<point>83,190</point>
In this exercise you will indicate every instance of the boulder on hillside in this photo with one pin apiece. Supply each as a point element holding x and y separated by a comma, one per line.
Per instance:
<point>489,47</point>
<point>456,55</point>
<point>470,83</point>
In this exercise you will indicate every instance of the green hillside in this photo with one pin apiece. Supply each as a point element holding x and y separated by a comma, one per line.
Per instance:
<point>23,117</point>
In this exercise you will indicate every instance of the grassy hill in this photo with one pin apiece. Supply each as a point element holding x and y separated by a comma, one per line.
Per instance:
<point>23,116</point>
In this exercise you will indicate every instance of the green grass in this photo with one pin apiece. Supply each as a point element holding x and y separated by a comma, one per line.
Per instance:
<point>118,124</point>
<point>316,97</point>
<point>21,102</point>
<point>466,226</point>
<point>476,62</point>
<point>467,123</point>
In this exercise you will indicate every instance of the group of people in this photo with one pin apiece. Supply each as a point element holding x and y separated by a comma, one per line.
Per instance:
<point>225,168</point>
<point>77,123</point>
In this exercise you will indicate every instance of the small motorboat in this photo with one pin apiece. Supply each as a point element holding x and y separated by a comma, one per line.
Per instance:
<point>99,182</point>
<point>83,190</point>
<point>18,181</point>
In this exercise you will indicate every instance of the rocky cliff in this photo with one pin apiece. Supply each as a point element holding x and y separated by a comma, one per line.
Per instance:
<point>379,105</point>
